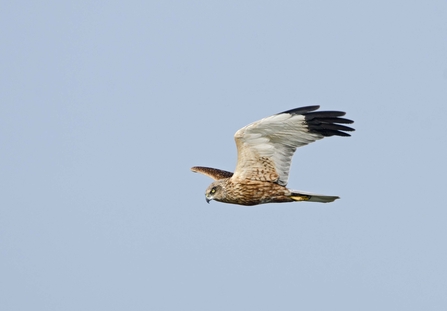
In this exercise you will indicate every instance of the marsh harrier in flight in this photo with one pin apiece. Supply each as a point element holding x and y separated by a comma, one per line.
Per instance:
<point>264,154</point>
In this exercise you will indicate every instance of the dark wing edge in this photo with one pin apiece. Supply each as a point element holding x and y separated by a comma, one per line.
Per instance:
<point>300,110</point>
<point>326,123</point>
<point>213,173</point>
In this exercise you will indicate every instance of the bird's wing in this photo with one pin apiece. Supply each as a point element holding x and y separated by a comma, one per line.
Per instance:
<point>214,173</point>
<point>265,148</point>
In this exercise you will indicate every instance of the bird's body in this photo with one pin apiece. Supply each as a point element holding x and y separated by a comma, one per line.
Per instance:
<point>265,150</point>
<point>253,192</point>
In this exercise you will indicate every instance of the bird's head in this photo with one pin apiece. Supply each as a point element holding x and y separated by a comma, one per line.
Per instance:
<point>216,191</point>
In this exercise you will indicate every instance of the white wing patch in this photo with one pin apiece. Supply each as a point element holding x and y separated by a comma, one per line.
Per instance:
<point>273,139</point>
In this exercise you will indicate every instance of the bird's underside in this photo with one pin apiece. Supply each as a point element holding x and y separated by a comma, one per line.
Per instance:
<point>265,149</point>
<point>254,192</point>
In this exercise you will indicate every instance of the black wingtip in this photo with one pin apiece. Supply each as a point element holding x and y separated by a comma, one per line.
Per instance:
<point>326,123</point>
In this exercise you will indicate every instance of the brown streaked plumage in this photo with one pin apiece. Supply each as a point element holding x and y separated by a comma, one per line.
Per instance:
<point>265,149</point>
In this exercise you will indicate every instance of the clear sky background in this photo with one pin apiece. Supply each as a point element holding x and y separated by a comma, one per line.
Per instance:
<point>105,106</point>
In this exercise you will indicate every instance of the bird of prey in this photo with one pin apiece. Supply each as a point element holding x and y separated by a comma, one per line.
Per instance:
<point>264,154</point>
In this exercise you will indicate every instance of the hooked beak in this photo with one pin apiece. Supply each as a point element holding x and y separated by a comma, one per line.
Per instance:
<point>207,200</point>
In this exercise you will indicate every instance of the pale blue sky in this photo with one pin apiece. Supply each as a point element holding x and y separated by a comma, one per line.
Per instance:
<point>105,106</point>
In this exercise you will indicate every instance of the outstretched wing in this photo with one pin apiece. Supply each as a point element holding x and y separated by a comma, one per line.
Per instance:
<point>265,148</point>
<point>214,173</point>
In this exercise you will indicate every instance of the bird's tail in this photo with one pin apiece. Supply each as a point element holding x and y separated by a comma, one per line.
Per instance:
<point>311,197</point>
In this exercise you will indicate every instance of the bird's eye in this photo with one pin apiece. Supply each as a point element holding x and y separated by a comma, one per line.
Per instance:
<point>213,190</point>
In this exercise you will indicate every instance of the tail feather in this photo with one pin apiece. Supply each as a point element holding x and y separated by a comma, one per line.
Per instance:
<point>312,197</point>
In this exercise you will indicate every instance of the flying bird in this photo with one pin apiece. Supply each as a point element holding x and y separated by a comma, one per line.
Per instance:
<point>264,154</point>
